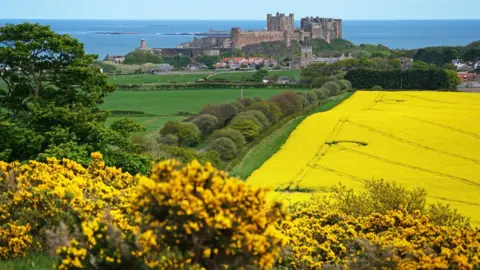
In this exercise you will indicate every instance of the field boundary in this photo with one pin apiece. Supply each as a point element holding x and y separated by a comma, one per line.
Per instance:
<point>299,116</point>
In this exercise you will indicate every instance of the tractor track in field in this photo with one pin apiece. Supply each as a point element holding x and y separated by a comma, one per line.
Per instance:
<point>396,163</point>
<point>402,140</point>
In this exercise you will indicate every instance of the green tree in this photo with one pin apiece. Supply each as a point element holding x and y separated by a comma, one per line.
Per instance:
<point>142,57</point>
<point>50,101</point>
<point>259,75</point>
<point>247,127</point>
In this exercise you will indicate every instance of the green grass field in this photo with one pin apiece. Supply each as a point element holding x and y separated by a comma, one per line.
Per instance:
<point>149,78</point>
<point>243,76</point>
<point>163,105</point>
<point>31,262</point>
<point>234,76</point>
<point>271,144</point>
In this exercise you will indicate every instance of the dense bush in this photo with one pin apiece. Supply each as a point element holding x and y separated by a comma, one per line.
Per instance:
<point>377,87</point>
<point>430,79</point>
<point>320,81</point>
<point>289,102</point>
<point>143,57</point>
<point>384,226</point>
<point>187,133</point>
<point>248,128</point>
<point>189,217</point>
<point>321,93</point>
<point>249,117</point>
<point>332,87</point>
<point>257,116</point>
<point>270,109</point>
<point>311,98</point>
<point>225,146</point>
<point>344,85</point>
<point>206,123</point>
<point>246,102</point>
<point>257,99</point>
<point>239,106</point>
<point>184,154</point>
<point>223,112</point>
<point>233,134</point>
<point>168,139</point>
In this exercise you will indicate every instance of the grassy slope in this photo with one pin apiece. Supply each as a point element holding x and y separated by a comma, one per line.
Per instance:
<point>165,104</point>
<point>271,144</point>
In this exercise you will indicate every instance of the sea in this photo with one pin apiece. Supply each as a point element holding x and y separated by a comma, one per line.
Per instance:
<point>118,37</point>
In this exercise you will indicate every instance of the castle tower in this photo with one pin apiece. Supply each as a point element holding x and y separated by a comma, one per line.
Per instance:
<point>288,39</point>
<point>306,57</point>
<point>236,32</point>
<point>306,53</point>
<point>143,44</point>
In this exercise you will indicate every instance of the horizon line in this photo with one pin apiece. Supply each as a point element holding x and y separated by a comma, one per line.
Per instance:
<point>180,19</point>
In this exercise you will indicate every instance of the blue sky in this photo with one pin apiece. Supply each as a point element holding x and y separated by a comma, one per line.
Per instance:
<point>243,9</point>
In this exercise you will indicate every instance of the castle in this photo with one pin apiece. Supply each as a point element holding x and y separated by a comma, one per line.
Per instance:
<point>282,28</point>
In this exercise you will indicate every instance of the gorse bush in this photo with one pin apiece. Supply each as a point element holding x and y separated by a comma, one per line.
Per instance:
<point>188,134</point>
<point>233,134</point>
<point>197,217</point>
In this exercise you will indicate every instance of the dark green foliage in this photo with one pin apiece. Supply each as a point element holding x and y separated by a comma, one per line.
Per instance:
<point>243,117</point>
<point>314,71</point>
<point>416,79</point>
<point>51,106</point>
<point>177,61</point>
<point>438,55</point>
<point>321,93</point>
<point>270,109</point>
<point>311,98</point>
<point>188,133</point>
<point>239,106</point>
<point>377,87</point>
<point>344,85</point>
<point>143,57</point>
<point>208,60</point>
<point>259,74</point>
<point>320,81</point>
<point>233,134</point>
<point>450,66</point>
<point>186,155</point>
<point>246,102</point>
<point>168,139</point>
<point>225,146</point>
<point>257,99</point>
<point>248,127</point>
<point>332,87</point>
<point>223,112</point>
<point>261,118</point>
<point>289,102</point>
<point>206,123</point>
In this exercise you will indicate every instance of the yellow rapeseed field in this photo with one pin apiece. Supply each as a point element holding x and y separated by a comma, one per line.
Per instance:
<point>418,139</point>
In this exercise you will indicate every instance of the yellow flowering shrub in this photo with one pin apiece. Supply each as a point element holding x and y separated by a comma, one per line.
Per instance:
<point>205,216</point>
<point>320,237</point>
<point>14,240</point>
<point>194,216</point>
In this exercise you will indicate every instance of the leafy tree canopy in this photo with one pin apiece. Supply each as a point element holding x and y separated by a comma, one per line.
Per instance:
<point>50,101</point>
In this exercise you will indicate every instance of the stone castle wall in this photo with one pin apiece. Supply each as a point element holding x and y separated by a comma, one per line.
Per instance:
<point>282,28</point>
